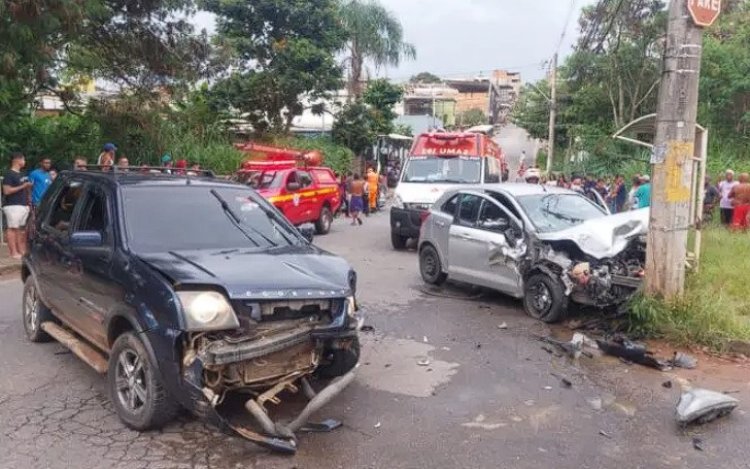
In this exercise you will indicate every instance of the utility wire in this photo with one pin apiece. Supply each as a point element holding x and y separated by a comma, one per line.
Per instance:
<point>567,23</point>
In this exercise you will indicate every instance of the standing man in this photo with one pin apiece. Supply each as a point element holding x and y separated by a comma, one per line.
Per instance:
<point>643,193</point>
<point>41,178</point>
<point>619,194</point>
<point>373,182</point>
<point>107,156</point>
<point>740,197</point>
<point>15,207</point>
<point>79,164</point>
<point>725,188</point>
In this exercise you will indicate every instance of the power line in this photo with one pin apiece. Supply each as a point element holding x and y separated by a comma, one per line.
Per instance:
<point>567,23</point>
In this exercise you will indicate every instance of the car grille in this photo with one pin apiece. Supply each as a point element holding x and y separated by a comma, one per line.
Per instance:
<point>315,310</point>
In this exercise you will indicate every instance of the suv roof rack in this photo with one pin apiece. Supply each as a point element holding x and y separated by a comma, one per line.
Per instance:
<point>115,171</point>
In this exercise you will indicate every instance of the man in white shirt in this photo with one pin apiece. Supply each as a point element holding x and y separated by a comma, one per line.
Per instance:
<point>725,188</point>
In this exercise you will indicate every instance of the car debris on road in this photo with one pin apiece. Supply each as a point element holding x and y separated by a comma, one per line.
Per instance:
<point>703,405</point>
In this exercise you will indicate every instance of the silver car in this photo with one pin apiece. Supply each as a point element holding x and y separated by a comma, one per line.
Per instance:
<point>547,245</point>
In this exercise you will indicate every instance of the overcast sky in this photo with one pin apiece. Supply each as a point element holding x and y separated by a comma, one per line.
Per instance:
<point>460,38</point>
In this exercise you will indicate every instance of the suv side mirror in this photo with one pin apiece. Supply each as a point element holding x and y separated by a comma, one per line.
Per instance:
<point>307,231</point>
<point>500,225</point>
<point>86,239</point>
<point>293,186</point>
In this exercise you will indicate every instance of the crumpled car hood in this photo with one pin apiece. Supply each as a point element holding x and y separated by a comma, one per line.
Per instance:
<point>606,236</point>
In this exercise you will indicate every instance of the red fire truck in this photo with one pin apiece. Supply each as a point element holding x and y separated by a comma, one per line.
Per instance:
<point>294,181</point>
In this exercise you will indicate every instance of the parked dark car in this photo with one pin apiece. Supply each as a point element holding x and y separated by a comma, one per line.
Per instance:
<point>186,289</point>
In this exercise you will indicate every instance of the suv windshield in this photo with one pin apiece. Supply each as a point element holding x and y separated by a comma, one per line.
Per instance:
<point>555,212</point>
<point>169,218</point>
<point>460,169</point>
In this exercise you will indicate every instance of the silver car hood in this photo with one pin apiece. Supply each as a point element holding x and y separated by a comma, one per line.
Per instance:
<point>606,236</point>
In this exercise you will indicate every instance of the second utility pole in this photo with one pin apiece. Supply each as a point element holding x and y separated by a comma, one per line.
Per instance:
<point>672,165</point>
<point>552,114</point>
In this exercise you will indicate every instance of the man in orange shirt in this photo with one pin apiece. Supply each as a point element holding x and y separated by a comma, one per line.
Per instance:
<point>740,198</point>
<point>372,189</point>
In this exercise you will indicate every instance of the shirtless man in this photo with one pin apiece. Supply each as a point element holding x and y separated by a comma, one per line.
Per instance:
<point>740,197</point>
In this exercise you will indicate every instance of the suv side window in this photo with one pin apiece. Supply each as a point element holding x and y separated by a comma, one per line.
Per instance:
<point>63,206</point>
<point>468,209</point>
<point>450,206</point>
<point>94,214</point>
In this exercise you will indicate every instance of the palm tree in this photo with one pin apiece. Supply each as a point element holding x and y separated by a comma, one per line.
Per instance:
<point>374,34</point>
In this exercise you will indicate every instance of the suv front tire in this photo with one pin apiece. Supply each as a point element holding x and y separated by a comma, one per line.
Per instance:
<point>135,386</point>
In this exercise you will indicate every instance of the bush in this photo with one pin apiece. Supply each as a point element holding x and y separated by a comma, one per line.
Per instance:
<point>715,308</point>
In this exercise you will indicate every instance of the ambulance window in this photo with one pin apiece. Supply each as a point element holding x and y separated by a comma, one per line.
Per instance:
<point>491,170</point>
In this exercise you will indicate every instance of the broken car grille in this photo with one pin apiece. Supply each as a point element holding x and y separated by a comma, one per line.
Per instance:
<point>319,310</point>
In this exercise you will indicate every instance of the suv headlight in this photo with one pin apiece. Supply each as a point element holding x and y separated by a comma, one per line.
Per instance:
<point>207,311</point>
<point>350,307</point>
<point>398,202</point>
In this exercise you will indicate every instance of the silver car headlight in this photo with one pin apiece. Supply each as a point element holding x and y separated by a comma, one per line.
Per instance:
<point>398,202</point>
<point>207,311</point>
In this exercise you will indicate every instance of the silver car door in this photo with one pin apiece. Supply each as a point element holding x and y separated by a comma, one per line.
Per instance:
<point>462,243</point>
<point>500,247</point>
<point>441,221</point>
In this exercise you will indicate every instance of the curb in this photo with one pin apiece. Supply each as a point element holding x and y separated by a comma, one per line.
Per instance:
<point>10,269</point>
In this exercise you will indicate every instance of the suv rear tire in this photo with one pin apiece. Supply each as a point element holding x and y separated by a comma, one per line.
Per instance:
<point>430,266</point>
<point>135,386</point>
<point>35,312</point>
<point>398,241</point>
<point>544,298</point>
<point>323,223</point>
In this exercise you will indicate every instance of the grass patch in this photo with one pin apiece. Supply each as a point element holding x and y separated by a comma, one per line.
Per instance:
<point>716,305</point>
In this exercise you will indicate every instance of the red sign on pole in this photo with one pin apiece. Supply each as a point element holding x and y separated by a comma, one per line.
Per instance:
<point>704,12</point>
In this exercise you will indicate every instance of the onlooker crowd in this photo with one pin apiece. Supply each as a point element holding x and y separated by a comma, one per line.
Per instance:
<point>22,194</point>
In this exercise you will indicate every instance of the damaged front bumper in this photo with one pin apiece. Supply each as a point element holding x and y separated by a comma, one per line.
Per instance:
<point>274,357</point>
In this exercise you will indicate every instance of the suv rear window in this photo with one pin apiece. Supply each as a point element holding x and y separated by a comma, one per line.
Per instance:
<point>168,218</point>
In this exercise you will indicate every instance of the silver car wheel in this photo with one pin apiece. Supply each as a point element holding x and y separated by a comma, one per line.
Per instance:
<point>542,298</point>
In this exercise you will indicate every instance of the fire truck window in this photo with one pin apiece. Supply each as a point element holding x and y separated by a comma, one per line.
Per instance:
<point>325,177</point>
<point>304,179</point>
<point>491,171</point>
<point>292,178</point>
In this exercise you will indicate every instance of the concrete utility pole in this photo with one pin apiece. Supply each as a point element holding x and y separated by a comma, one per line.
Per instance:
<point>672,165</point>
<point>552,114</point>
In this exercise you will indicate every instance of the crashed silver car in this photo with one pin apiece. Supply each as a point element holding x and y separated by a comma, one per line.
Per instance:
<point>547,245</point>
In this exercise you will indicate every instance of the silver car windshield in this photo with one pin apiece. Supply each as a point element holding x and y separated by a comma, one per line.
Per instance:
<point>431,169</point>
<point>555,212</point>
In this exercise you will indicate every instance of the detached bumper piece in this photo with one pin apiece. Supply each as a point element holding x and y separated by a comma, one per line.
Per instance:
<point>280,437</point>
<point>279,359</point>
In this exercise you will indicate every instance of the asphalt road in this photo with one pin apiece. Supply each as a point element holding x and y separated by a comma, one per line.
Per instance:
<point>488,398</point>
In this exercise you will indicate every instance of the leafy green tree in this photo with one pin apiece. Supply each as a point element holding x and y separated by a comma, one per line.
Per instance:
<point>472,117</point>
<point>382,96</point>
<point>354,127</point>
<point>374,34</point>
<point>283,50</point>
<point>725,76</point>
<point>426,78</point>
